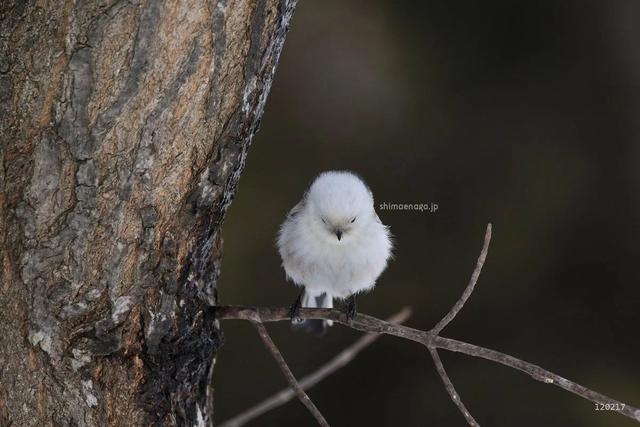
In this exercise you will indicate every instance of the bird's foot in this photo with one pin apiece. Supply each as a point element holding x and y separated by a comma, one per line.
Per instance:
<point>294,311</point>
<point>351,308</point>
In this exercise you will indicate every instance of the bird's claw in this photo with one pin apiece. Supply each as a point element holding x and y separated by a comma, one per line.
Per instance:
<point>294,311</point>
<point>351,308</point>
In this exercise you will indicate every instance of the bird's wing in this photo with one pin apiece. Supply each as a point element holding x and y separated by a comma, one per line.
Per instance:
<point>297,208</point>
<point>377,217</point>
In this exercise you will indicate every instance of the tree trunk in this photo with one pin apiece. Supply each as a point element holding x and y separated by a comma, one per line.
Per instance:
<point>125,127</point>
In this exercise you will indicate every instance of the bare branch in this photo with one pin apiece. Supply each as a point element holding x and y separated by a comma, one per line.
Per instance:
<point>371,324</point>
<point>469,289</point>
<point>339,361</point>
<point>361,322</point>
<point>537,373</point>
<point>448,385</point>
<point>432,340</point>
<point>304,398</point>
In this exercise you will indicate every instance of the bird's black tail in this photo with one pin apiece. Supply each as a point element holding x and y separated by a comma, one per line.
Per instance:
<point>315,326</point>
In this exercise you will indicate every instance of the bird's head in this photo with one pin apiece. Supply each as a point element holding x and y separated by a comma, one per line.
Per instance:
<point>339,205</point>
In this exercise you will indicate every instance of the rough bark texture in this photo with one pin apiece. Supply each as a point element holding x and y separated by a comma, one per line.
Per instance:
<point>125,126</point>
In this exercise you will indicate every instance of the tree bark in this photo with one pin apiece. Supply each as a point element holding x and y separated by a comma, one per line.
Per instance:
<point>125,127</point>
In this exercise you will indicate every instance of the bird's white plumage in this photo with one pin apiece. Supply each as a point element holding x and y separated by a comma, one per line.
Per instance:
<point>333,241</point>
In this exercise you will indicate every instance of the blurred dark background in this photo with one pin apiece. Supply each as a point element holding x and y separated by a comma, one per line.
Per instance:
<point>525,114</point>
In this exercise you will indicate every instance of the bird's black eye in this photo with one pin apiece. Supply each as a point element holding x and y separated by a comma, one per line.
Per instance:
<point>353,219</point>
<point>324,220</point>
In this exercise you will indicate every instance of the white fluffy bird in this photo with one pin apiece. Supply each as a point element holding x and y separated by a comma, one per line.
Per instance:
<point>333,244</point>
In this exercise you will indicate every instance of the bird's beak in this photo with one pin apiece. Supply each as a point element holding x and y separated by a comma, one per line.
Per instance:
<point>339,234</point>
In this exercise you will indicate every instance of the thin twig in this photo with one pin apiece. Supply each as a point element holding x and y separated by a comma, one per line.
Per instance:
<point>339,361</point>
<point>448,385</point>
<point>453,312</point>
<point>469,289</point>
<point>304,398</point>
<point>365,323</point>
